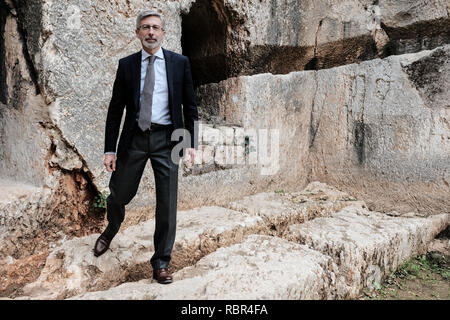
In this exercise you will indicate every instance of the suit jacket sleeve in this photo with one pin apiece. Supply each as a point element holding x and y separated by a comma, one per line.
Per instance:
<point>115,111</point>
<point>190,113</point>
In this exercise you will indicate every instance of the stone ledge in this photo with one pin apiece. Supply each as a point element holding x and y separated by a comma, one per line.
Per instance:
<point>341,254</point>
<point>367,245</point>
<point>72,268</point>
<point>261,267</point>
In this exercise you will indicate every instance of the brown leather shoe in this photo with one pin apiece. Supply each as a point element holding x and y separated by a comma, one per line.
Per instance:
<point>162,276</point>
<point>101,245</point>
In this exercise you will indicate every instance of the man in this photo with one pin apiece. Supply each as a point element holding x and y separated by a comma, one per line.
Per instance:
<point>151,84</point>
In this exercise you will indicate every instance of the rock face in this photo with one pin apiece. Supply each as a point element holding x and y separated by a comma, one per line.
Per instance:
<point>377,113</point>
<point>415,25</point>
<point>388,114</point>
<point>282,36</point>
<point>352,93</point>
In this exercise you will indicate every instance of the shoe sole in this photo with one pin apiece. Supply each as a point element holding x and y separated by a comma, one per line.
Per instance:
<point>98,254</point>
<point>164,282</point>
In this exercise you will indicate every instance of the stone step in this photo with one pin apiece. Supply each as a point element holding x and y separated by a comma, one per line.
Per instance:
<point>367,245</point>
<point>348,250</point>
<point>72,269</point>
<point>280,209</point>
<point>261,267</point>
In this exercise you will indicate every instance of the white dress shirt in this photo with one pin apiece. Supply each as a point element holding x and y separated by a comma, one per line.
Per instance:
<point>160,102</point>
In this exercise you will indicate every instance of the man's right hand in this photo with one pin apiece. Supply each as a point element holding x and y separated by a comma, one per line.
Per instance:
<point>110,162</point>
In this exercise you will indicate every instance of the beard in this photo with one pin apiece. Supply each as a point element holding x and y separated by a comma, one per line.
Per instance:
<point>151,45</point>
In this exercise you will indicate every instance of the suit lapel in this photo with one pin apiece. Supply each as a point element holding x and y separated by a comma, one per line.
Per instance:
<point>169,72</point>
<point>136,74</point>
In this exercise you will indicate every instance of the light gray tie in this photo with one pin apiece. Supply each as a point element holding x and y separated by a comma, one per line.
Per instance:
<point>145,114</point>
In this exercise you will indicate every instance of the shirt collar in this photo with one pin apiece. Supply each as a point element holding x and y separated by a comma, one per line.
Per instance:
<point>158,54</point>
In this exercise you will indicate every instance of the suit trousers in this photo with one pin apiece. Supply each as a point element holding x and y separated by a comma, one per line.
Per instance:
<point>124,183</point>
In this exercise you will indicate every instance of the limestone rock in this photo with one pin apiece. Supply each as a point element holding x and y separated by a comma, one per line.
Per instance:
<point>24,143</point>
<point>377,113</point>
<point>17,273</point>
<point>72,268</point>
<point>367,245</point>
<point>399,14</point>
<point>66,44</point>
<point>338,256</point>
<point>404,20</point>
<point>261,267</point>
<point>23,208</point>
<point>281,209</point>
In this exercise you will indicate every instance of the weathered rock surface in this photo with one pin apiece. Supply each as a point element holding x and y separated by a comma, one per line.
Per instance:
<point>14,274</point>
<point>63,64</point>
<point>340,251</point>
<point>24,143</point>
<point>43,191</point>
<point>34,218</point>
<point>367,245</point>
<point>261,267</point>
<point>377,113</point>
<point>72,268</point>
<point>352,249</point>
<point>280,209</point>
<point>393,142</point>
<point>250,37</point>
<point>22,208</point>
<point>415,25</point>
<point>440,245</point>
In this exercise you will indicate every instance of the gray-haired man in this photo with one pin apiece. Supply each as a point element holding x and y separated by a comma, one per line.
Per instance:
<point>152,85</point>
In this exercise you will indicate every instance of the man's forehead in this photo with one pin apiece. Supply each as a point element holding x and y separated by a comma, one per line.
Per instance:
<point>152,19</point>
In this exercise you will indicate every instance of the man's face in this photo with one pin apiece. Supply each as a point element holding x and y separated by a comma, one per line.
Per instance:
<point>150,32</point>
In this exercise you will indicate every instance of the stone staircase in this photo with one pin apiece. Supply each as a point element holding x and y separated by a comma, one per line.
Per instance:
<point>318,243</point>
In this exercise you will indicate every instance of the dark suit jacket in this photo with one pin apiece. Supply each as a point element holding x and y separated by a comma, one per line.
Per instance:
<point>126,94</point>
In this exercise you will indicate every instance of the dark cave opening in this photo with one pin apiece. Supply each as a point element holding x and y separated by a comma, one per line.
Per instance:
<point>204,41</point>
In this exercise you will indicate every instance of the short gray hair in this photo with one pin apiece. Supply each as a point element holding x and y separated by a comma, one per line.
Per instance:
<point>149,13</point>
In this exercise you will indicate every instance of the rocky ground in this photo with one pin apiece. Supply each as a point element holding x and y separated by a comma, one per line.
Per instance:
<point>317,243</point>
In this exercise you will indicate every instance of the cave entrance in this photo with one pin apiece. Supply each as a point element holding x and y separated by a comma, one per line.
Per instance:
<point>203,40</point>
